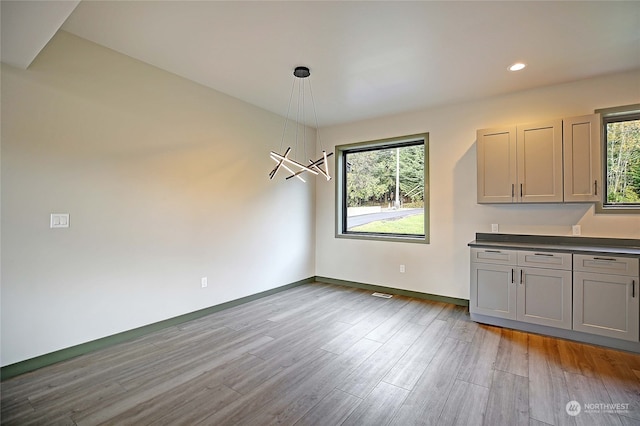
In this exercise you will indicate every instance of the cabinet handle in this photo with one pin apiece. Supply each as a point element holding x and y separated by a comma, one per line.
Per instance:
<point>608,259</point>
<point>511,275</point>
<point>513,189</point>
<point>520,190</point>
<point>595,186</point>
<point>633,288</point>
<point>492,251</point>
<point>521,277</point>
<point>543,254</point>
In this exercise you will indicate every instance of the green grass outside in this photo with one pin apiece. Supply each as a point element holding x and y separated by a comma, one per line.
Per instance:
<point>413,225</point>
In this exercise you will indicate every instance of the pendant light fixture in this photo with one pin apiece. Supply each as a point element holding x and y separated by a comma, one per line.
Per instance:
<point>287,160</point>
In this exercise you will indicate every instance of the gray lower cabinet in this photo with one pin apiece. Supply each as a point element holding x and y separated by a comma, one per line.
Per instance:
<point>605,297</point>
<point>520,285</point>
<point>544,297</point>
<point>493,290</point>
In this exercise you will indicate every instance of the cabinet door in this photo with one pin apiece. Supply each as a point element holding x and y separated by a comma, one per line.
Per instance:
<point>582,158</point>
<point>606,305</point>
<point>544,297</point>
<point>539,149</point>
<point>496,150</point>
<point>493,290</point>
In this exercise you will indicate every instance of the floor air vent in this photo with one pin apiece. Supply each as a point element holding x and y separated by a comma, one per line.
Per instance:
<point>383,295</point>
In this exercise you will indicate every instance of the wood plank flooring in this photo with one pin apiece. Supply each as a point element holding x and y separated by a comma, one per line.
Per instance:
<point>322,354</point>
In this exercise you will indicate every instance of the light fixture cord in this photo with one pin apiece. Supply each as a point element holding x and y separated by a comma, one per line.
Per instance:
<point>296,153</point>
<point>286,118</point>
<point>304,128</point>
<point>315,115</point>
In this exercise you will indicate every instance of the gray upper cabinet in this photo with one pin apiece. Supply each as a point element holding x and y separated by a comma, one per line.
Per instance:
<point>582,159</point>
<point>497,165</point>
<point>540,162</point>
<point>520,164</point>
<point>548,162</point>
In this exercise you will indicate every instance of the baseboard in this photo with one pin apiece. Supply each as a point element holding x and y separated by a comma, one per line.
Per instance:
<point>391,290</point>
<point>32,364</point>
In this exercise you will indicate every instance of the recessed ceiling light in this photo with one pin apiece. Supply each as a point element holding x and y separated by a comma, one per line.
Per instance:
<point>517,66</point>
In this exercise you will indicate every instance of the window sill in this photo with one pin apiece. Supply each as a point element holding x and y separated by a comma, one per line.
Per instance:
<point>379,237</point>
<point>607,209</point>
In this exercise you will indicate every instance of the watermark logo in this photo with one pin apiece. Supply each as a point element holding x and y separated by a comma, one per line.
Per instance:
<point>606,408</point>
<point>573,408</point>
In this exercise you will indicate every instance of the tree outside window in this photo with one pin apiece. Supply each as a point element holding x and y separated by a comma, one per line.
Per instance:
<point>622,135</point>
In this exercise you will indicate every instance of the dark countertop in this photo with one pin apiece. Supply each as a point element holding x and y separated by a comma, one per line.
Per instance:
<point>619,246</point>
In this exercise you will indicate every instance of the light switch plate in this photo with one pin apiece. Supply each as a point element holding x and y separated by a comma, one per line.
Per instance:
<point>59,220</point>
<point>494,227</point>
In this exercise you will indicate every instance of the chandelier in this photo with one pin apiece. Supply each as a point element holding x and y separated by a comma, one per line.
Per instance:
<point>287,161</point>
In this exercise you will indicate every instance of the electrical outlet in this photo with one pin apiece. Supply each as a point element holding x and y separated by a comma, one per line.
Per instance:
<point>203,282</point>
<point>402,269</point>
<point>575,230</point>
<point>494,227</point>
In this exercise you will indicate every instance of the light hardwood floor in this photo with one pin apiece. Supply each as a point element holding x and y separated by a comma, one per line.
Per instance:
<point>321,354</point>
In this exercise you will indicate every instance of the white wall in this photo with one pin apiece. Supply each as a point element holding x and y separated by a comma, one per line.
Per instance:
<point>165,181</point>
<point>442,267</point>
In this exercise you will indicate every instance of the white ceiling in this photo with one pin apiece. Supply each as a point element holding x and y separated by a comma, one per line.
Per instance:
<point>368,59</point>
<point>27,26</point>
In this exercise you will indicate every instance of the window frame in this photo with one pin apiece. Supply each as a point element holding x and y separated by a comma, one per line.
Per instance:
<point>340,187</point>
<point>613,115</point>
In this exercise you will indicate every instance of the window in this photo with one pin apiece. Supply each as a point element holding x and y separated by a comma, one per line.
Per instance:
<point>621,140</point>
<point>382,189</point>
